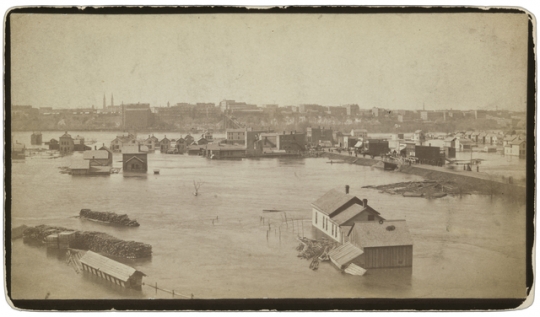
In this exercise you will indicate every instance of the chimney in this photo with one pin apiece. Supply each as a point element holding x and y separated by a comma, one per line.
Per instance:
<point>365,202</point>
<point>347,189</point>
<point>95,147</point>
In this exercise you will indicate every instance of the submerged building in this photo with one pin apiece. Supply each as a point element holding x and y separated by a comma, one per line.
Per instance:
<point>335,212</point>
<point>112,271</point>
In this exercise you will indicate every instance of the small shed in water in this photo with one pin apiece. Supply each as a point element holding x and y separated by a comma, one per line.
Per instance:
<point>112,271</point>
<point>384,244</point>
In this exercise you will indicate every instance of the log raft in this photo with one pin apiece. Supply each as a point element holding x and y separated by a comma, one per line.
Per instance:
<point>108,218</point>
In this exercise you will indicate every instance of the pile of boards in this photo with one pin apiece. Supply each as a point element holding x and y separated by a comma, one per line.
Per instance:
<point>95,241</point>
<point>109,217</point>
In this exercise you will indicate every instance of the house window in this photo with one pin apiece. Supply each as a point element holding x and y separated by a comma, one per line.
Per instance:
<point>315,217</point>
<point>332,229</point>
<point>370,217</point>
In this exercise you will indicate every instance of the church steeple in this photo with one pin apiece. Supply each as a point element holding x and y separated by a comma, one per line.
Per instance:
<point>104,101</point>
<point>112,100</point>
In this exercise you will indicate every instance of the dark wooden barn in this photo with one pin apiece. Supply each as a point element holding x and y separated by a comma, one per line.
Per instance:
<point>384,244</point>
<point>432,155</point>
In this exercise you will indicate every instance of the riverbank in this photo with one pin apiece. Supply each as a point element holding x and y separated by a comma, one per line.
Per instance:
<point>465,183</point>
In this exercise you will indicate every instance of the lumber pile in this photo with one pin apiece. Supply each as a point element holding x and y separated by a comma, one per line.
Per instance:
<point>39,233</point>
<point>103,243</point>
<point>95,241</point>
<point>17,232</point>
<point>109,217</point>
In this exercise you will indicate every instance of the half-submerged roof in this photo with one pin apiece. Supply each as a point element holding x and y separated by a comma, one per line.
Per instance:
<point>344,254</point>
<point>332,200</point>
<point>79,164</point>
<point>96,154</point>
<point>108,266</point>
<point>368,234</point>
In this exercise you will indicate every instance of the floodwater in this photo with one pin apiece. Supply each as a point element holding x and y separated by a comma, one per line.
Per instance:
<point>215,246</point>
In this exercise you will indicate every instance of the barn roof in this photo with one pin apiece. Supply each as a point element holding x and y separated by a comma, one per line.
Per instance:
<point>389,233</point>
<point>344,254</point>
<point>99,155</point>
<point>108,266</point>
<point>332,200</point>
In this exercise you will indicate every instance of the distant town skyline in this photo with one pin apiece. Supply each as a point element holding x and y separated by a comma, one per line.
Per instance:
<point>392,61</point>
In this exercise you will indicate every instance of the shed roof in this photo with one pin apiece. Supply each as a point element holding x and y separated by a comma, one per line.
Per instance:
<point>344,254</point>
<point>80,165</point>
<point>370,234</point>
<point>332,200</point>
<point>96,154</point>
<point>108,266</point>
<point>354,269</point>
<point>517,142</point>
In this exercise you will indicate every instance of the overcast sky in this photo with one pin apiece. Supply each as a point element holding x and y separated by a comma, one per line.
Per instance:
<point>397,61</point>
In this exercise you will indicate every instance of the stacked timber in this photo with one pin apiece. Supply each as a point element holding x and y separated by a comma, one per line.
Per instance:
<point>95,241</point>
<point>108,217</point>
<point>103,243</point>
<point>17,232</point>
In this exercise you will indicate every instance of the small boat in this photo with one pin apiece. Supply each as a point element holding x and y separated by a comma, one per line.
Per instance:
<point>156,171</point>
<point>439,195</point>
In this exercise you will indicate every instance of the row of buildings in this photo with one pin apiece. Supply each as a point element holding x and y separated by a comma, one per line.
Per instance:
<point>67,144</point>
<point>143,115</point>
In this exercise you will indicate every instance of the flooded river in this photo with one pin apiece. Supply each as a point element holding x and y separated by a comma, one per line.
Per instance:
<point>215,246</point>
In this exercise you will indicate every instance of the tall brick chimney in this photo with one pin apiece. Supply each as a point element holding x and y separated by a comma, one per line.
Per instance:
<point>365,202</point>
<point>347,189</point>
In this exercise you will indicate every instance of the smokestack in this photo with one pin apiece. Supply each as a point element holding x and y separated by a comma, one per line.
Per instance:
<point>95,147</point>
<point>365,202</point>
<point>347,189</point>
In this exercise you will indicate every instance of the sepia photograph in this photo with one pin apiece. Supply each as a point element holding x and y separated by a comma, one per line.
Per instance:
<point>222,158</point>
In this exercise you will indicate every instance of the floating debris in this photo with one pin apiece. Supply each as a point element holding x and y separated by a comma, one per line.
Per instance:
<point>108,217</point>
<point>314,250</point>
<point>427,189</point>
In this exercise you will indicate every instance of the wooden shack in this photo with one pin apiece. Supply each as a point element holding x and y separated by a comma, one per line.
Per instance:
<point>384,244</point>
<point>134,160</point>
<point>112,271</point>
